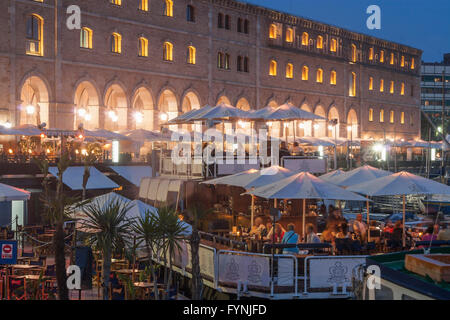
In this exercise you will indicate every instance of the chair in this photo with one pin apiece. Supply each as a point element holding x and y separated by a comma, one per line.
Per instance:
<point>28,254</point>
<point>16,288</point>
<point>356,246</point>
<point>116,288</point>
<point>343,245</point>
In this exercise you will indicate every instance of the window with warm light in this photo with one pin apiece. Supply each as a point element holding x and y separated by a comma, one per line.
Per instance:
<point>319,75</point>
<point>143,47</point>
<point>391,60</point>
<point>402,117</point>
<point>289,71</point>
<point>273,68</point>
<point>116,2</point>
<point>168,8</point>
<point>391,116</point>
<point>168,51</point>
<point>86,38</point>
<point>382,56</point>
<point>370,114</point>
<point>381,85</point>
<point>305,39</point>
<point>333,45</point>
<point>220,60</point>
<point>333,77</point>
<point>352,85</point>
<point>402,89</point>
<point>191,52</point>
<point>116,43</point>
<point>227,61</point>
<point>353,53</point>
<point>382,115</point>
<point>289,35</point>
<point>371,83</point>
<point>35,35</point>
<point>319,43</point>
<point>273,31</point>
<point>402,61</point>
<point>412,64</point>
<point>370,54</point>
<point>143,5</point>
<point>305,73</point>
<point>391,87</point>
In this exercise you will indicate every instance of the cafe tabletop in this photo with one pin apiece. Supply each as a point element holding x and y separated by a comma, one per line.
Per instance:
<point>143,285</point>
<point>127,271</point>
<point>24,266</point>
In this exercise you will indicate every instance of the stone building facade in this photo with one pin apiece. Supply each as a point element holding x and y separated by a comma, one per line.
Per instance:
<point>136,63</point>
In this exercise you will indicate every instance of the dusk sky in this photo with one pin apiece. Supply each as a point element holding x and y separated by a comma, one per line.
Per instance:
<point>423,24</point>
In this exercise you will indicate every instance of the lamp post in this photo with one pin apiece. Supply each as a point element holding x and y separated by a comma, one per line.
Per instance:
<point>333,124</point>
<point>349,129</point>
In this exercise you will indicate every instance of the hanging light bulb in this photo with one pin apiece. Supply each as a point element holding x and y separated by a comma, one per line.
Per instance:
<point>30,109</point>
<point>87,117</point>
<point>301,125</point>
<point>7,125</point>
<point>138,117</point>
<point>82,112</point>
<point>163,116</point>
<point>316,126</point>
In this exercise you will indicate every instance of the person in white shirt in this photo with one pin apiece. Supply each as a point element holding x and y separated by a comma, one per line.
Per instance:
<point>258,228</point>
<point>360,228</point>
<point>311,237</point>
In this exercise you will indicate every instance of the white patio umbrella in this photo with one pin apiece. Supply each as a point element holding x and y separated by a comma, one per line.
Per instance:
<point>288,111</point>
<point>222,112</point>
<point>28,130</point>
<point>358,175</point>
<point>9,193</point>
<point>261,114</point>
<point>331,175</point>
<point>105,134</point>
<point>185,117</point>
<point>313,141</point>
<point>401,183</point>
<point>141,135</point>
<point>10,131</point>
<point>304,186</point>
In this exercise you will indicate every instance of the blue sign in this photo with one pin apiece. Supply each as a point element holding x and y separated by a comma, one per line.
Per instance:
<point>8,252</point>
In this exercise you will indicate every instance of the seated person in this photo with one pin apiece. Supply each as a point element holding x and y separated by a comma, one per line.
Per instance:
<point>297,150</point>
<point>312,213</point>
<point>389,227</point>
<point>360,228</point>
<point>259,228</point>
<point>279,233</point>
<point>429,234</point>
<point>343,232</point>
<point>311,236</point>
<point>290,237</point>
<point>444,234</point>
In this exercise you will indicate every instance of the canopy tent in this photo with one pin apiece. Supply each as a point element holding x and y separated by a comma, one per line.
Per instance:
<point>9,193</point>
<point>73,178</point>
<point>288,112</point>
<point>141,135</point>
<point>313,141</point>
<point>261,114</point>
<point>185,117</point>
<point>358,175</point>
<point>105,134</point>
<point>10,131</point>
<point>22,130</point>
<point>134,174</point>
<point>331,175</point>
<point>402,183</point>
<point>304,185</point>
<point>222,111</point>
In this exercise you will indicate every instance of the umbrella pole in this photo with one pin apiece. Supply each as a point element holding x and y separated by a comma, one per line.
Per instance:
<point>304,220</point>
<point>368,220</point>
<point>252,212</point>
<point>404,220</point>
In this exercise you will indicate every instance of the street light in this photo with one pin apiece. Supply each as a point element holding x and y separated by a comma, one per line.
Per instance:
<point>163,116</point>
<point>350,148</point>
<point>30,109</point>
<point>333,124</point>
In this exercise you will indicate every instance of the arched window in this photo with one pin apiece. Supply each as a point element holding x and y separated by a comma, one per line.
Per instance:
<point>371,54</point>
<point>190,13</point>
<point>143,5</point>
<point>382,56</point>
<point>168,8</point>
<point>289,71</point>
<point>391,116</point>
<point>412,64</point>
<point>381,85</point>
<point>370,114</point>
<point>227,22</point>
<point>319,44</point>
<point>191,53</point>
<point>168,51</point>
<point>227,61</point>
<point>143,47</point>
<point>35,35</point>
<point>220,20</point>
<point>371,83</point>
<point>319,75</point>
<point>246,26</point>
<point>391,60</point>
<point>402,117</point>
<point>246,67</point>
<point>402,61</point>
<point>333,45</point>
<point>273,31</point>
<point>305,73</point>
<point>116,2</point>
<point>239,63</point>
<point>305,39</point>
<point>240,25</point>
<point>333,77</point>
<point>86,38</point>
<point>352,85</point>
<point>391,88</point>
<point>220,60</point>
<point>289,35</point>
<point>402,89</point>
<point>273,68</point>
<point>353,53</point>
<point>116,43</point>
<point>382,115</point>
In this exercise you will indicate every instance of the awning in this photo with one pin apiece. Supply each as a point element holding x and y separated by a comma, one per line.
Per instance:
<point>134,174</point>
<point>159,188</point>
<point>9,193</point>
<point>73,178</point>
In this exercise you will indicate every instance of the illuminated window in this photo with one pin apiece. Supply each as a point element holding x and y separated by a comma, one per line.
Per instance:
<point>371,54</point>
<point>391,87</point>
<point>289,71</point>
<point>273,68</point>
<point>168,8</point>
<point>305,73</point>
<point>143,5</point>
<point>223,60</point>
<point>143,47</point>
<point>289,35</point>
<point>370,83</point>
<point>402,117</point>
<point>305,39</point>
<point>402,89</point>
<point>116,43</point>
<point>412,64</point>
<point>382,115</point>
<point>382,56</point>
<point>168,51</point>
<point>273,31</point>
<point>191,53</point>
<point>319,75</point>
<point>391,61</point>
<point>402,61</point>
<point>116,2</point>
<point>333,45</point>
<point>391,116</point>
<point>86,38</point>
<point>370,114</point>
<point>381,85</point>
<point>35,35</point>
<point>353,53</point>
<point>352,85</point>
<point>319,43</point>
<point>333,77</point>
<point>190,13</point>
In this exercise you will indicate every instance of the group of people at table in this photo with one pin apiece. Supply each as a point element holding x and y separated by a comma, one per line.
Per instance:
<point>337,227</point>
